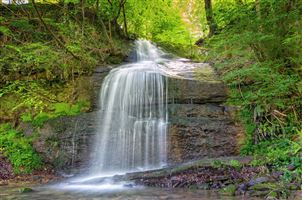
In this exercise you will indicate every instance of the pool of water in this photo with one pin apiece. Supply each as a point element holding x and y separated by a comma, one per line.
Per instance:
<point>111,192</point>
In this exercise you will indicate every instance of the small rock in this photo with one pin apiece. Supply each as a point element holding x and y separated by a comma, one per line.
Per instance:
<point>254,193</point>
<point>257,181</point>
<point>3,183</point>
<point>129,185</point>
<point>291,167</point>
<point>272,196</point>
<point>243,187</point>
<point>277,175</point>
<point>229,190</point>
<point>203,186</point>
<point>298,195</point>
<point>266,187</point>
<point>25,190</point>
<point>37,178</point>
<point>293,186</point>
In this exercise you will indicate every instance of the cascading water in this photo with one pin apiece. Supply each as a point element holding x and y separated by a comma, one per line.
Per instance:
<point>133,117</point>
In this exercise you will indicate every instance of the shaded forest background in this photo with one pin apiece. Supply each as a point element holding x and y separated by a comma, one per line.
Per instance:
<point>47,48</point>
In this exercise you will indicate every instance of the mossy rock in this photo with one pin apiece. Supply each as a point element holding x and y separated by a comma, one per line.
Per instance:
<point>229,190</point>
<point>25,190</point>
<point>265,186</point>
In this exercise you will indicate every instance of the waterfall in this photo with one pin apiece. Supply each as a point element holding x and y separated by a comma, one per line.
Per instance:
<point>132,128</point>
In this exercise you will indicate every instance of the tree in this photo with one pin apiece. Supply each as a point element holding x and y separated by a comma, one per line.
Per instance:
<point>210,18</point>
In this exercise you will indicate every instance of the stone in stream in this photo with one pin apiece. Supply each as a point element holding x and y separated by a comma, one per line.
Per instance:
<point>25,190</point>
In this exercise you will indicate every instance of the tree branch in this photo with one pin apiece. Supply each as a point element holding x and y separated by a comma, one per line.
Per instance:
<point>50,31</point>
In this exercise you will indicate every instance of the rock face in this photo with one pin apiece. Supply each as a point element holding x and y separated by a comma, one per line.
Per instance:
<point>66,142</point>
<point>6,169</point>
<point>200,126</point>
<point>201,131</point>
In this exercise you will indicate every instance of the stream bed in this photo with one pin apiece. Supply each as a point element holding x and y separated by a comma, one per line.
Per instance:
<point>136,193</point>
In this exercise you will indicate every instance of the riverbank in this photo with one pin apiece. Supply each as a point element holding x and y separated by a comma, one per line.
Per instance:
<point>9,178</point>
<point>232,176</point>
<point>225,177</point>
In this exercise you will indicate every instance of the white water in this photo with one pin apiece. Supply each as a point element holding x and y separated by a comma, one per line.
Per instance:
<point>132,129</point>
<point>133,118</point>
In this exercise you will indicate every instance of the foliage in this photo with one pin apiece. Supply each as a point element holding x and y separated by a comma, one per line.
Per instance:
<point>258,52</point>
<point>19,150</point>
<point>280,154</point>
<point>37,72</point>
<point>159,21</point>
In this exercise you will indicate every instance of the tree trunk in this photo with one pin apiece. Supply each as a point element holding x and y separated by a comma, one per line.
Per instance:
<point>103,26</point>
<point>125,21</point>
<point>83,15</point>
<point>210,18</point>
<point>52,33</point>
<point>258,9</point>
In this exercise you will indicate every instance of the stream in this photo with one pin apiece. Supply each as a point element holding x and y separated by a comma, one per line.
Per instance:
<point>113,192</point>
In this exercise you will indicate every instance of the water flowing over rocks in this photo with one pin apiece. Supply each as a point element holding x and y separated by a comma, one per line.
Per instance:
<point>200,125</point>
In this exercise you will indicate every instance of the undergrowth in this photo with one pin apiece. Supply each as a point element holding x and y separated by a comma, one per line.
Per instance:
<point>19,150</point>
<point>44,65</point>
<point>258,55</point>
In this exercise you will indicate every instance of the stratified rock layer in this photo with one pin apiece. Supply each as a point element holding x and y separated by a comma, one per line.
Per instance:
<point>200,126</point>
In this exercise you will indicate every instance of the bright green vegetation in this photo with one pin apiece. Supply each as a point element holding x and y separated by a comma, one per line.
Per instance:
<point>44,64</point>
<point>19,150</point>
<point>257,50</point>
<point>48,51</point>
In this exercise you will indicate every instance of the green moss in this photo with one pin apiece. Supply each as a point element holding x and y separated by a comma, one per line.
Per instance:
<point>235,163</point>
<point>229,190</point>
<point>25,190</point>
<point>206,74</point>
<point>19,150</point>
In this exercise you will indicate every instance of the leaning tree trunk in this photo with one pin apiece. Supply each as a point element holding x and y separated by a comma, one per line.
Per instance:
<point>210,18</point>
<point>125,21</point>
<point>83,15</point>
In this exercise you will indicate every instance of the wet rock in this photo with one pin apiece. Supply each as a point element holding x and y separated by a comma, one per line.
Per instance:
<point>129,185</point>
<point>3,183</point>
<point>185,91</point>
<point>203,186</point>
<point>257,181</point>
<point>198,131</point>
<point>64,142</point>
<point>291,167</point>
<point>25,190</point>
<point>200,126</point>
<point>229,190</point>
<point>6,169</point>
<point>294,186</point>
<point>198,174</point>
<point>273,195</point>
<point>277,174</point>
<point>265,187</point>
<point>254,193</point>
<point>243,187</point>
<point>297,195</point>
